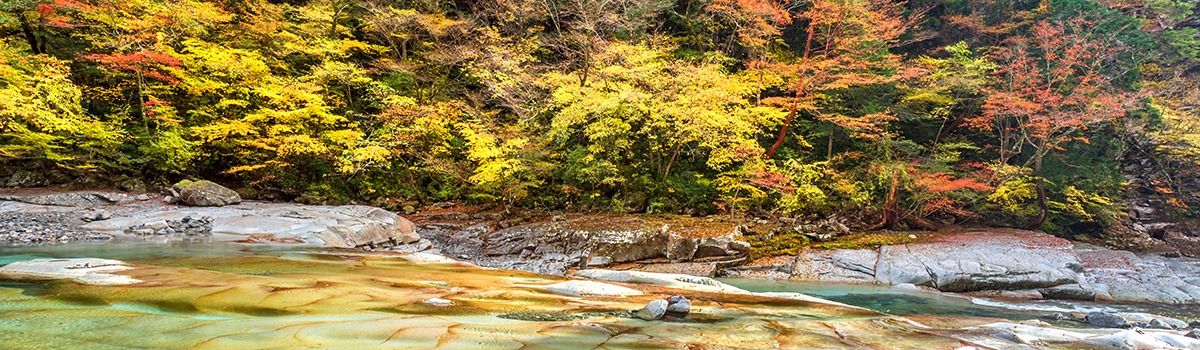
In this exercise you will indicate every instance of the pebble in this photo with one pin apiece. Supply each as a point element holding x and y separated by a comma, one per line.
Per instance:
<point>44,228</point>
<point>187,226</point>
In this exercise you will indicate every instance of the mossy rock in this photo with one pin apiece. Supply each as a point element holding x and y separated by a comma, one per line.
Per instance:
<point>204,193</point>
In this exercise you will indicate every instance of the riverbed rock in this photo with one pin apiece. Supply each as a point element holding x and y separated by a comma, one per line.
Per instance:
<point>1124,276</point>
<point>1153,321</point>
<point>655,310</point>
<point>204,193</point>
<point>564,242</point>
<point>349,226</point>
<point>69,199</point>
<point>837,265</point>
<point>593,288</point>
<point>678,306</point>
<point>975,261</point>
<point>439,302</point>
<point>662,279</point>
<point>1106,320</point>
<point>998,261</point>
<point>1038,337</point>
<point>83,270</point>
<point>1068,292</point>
<point>96,215</point>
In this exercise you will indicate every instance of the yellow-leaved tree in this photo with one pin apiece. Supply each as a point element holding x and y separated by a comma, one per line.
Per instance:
<point>40,116</point>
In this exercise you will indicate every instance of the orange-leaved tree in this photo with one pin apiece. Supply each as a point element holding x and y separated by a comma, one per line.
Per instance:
<point>1051,86</point>
<point>847,45</point>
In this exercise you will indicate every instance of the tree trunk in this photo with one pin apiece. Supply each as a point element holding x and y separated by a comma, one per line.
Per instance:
<point>30,36</point>
<point>829,145</point>
<point>1043,207</point>
<point>891,212</point>
<point>782,134</point>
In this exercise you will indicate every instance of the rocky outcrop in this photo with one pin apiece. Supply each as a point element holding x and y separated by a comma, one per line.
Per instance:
<point>555,246</point>
<point>349,226</point>
<point>1011,262</point>
<point>976,261</point>
<point>1123,276</point>
<point>203,193</point>
<point>114,214</point>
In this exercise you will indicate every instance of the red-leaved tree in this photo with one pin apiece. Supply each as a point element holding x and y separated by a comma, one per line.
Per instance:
<point>1050,87</point>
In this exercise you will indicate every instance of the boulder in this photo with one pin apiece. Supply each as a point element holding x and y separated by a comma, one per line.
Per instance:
<point>1106,320</point>
<point>83,270</point>
<point>204,193</point>
<point>678,306</point>
<point>655,310</point>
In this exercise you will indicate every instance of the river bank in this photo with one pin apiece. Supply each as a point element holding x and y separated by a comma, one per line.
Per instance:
<point>979,266</point>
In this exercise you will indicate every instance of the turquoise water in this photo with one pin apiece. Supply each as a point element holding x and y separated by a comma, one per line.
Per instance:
<point>903,302</point>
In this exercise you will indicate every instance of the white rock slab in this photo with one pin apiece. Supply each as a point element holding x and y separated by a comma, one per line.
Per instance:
<point>590,288</point>
<point>85,270</point>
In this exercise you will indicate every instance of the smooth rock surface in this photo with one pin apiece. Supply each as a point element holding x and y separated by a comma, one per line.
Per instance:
<point>1002,262</point>
<point>83,270</point>
<point>584,288</point>
<point>348,226</point>
<point>662,279</point>
<point>974,261</point>
<point>1117,275</point>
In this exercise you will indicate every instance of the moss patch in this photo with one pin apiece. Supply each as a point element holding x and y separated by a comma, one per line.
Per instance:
<point>775,243</point>
<point>865,241</point>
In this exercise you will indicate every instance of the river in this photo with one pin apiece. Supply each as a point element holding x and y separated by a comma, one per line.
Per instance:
<point>229,296</point>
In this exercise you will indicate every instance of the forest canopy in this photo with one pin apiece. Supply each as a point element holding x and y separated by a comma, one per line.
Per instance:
<point>921,113</point>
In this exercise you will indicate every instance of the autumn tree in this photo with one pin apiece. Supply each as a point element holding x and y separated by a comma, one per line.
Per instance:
<point>846,45</point>
<point>41,120</point>
<point>1050,87</point>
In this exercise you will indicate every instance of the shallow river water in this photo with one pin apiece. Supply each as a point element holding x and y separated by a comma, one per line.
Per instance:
<point>219,296</point>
